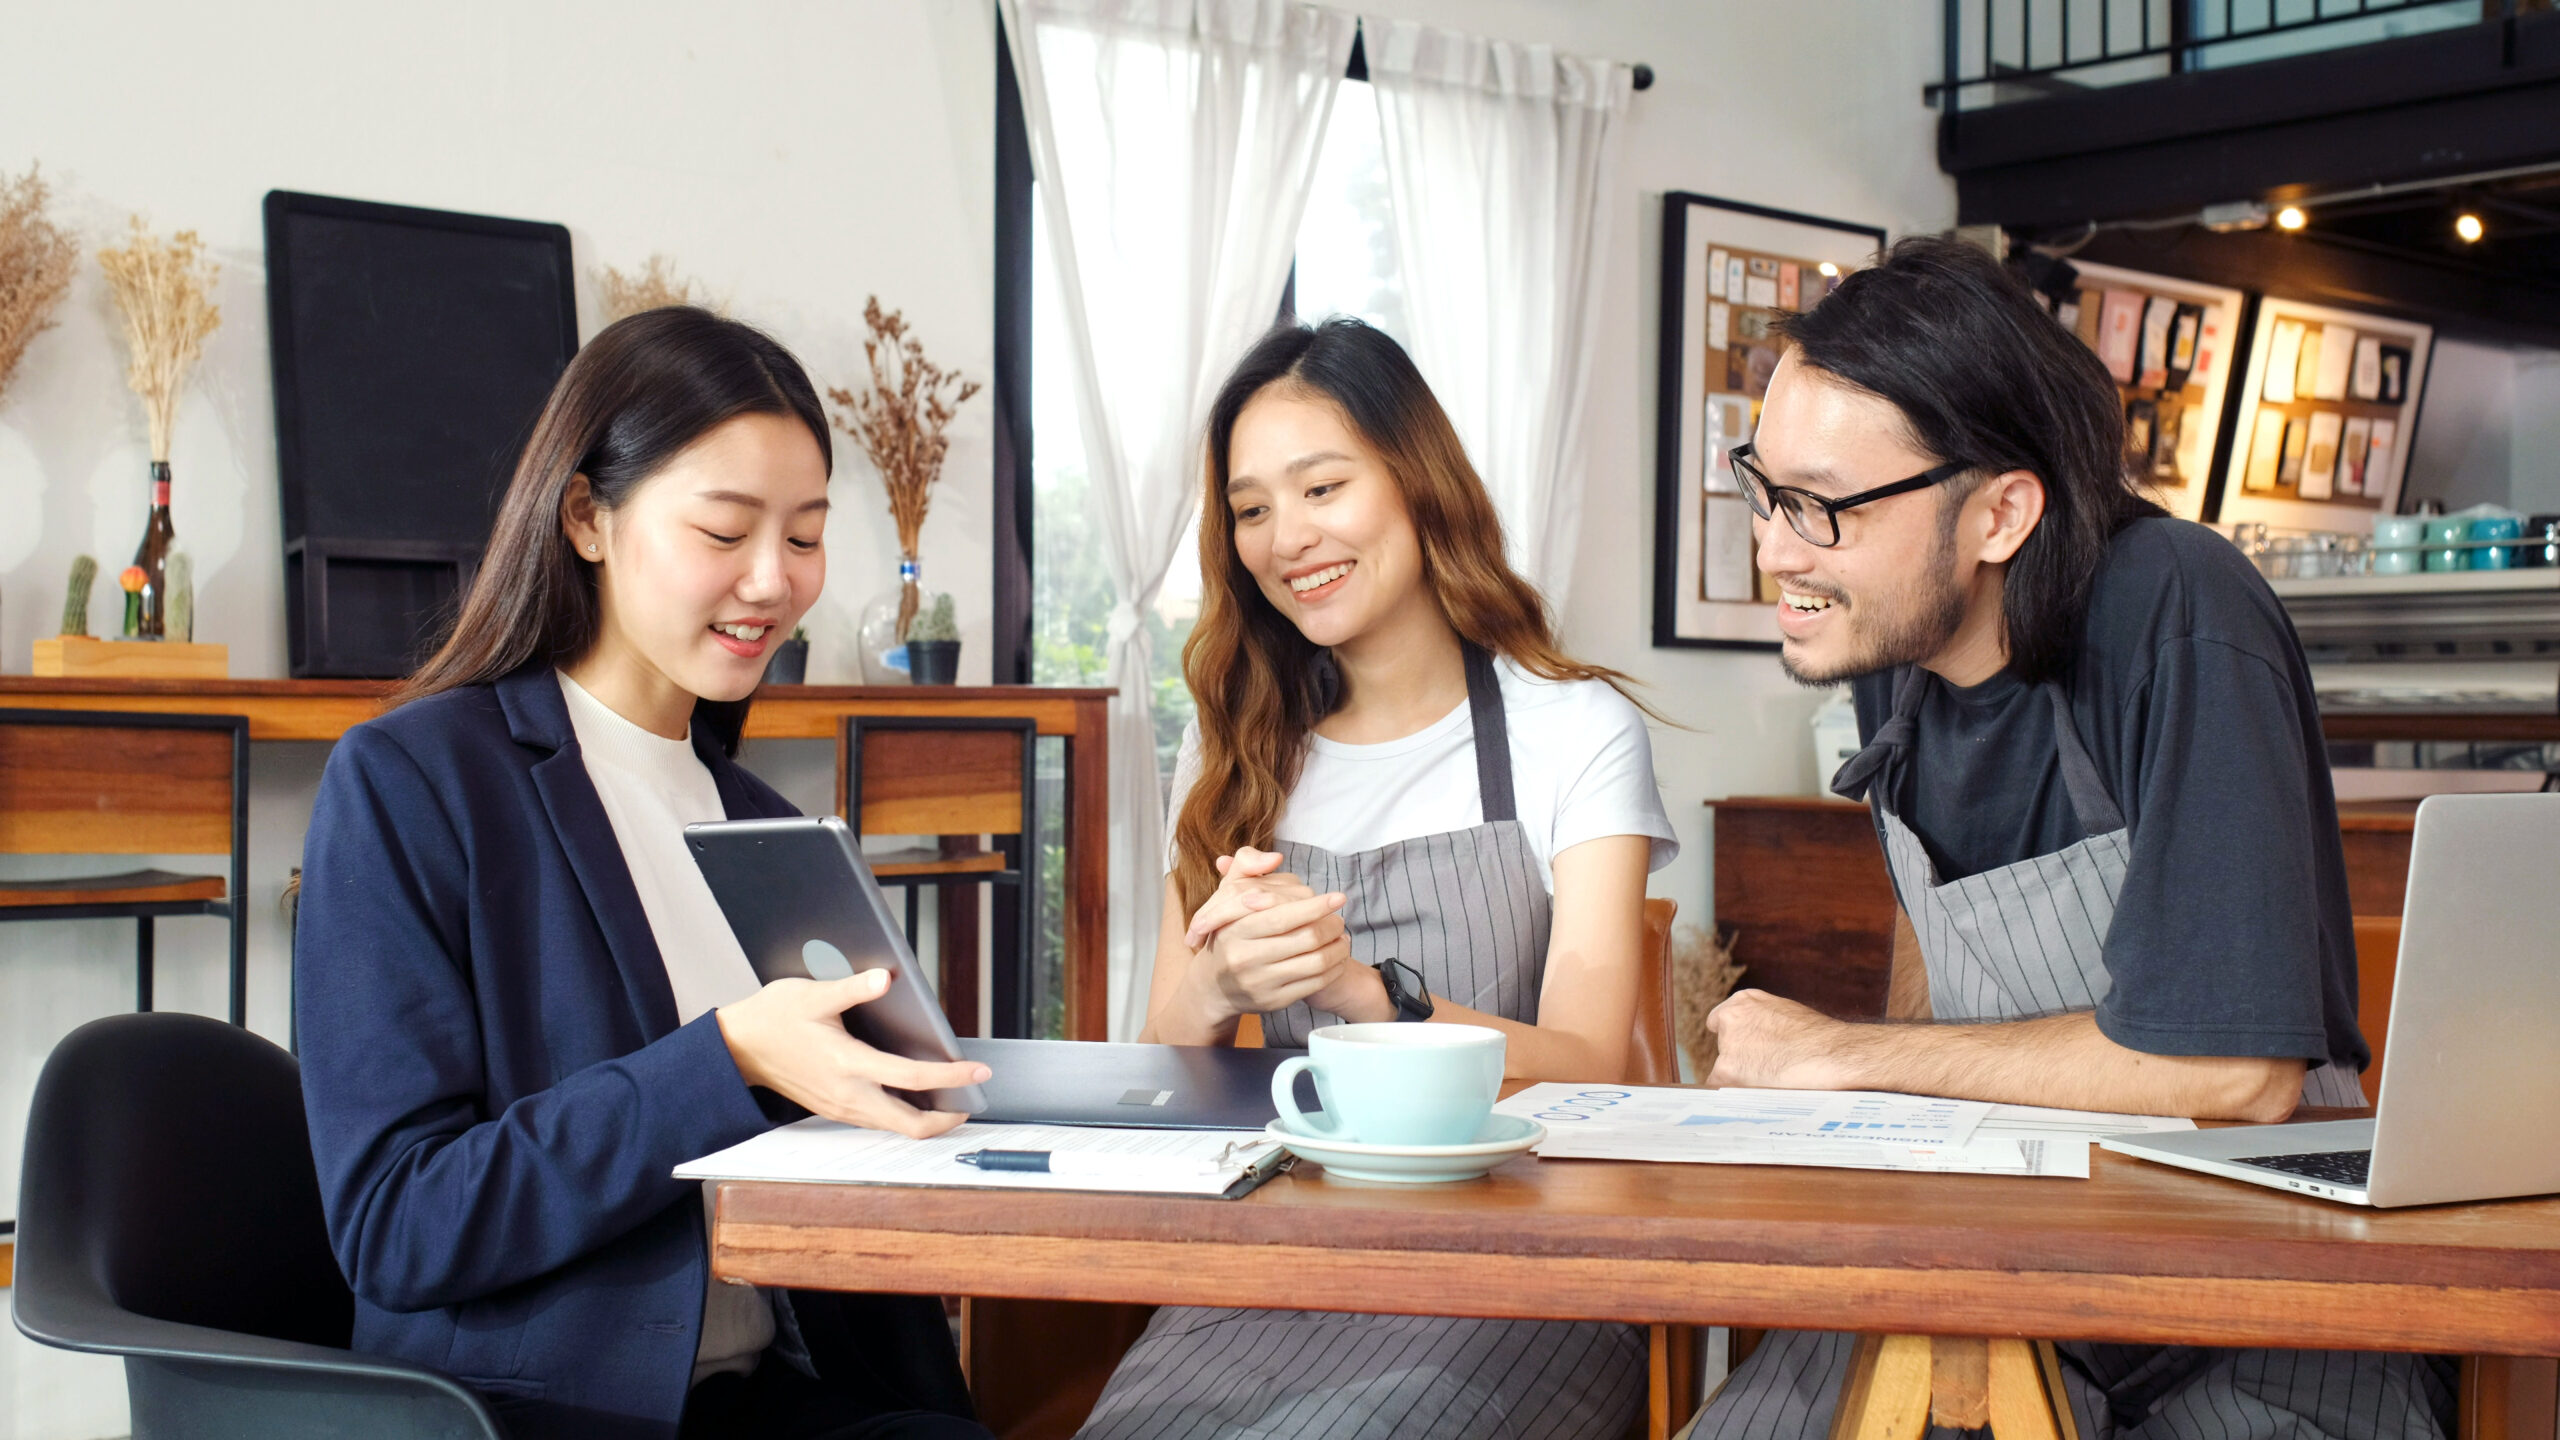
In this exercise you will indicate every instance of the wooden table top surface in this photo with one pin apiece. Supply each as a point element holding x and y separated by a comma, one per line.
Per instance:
<point>2139,1252</point>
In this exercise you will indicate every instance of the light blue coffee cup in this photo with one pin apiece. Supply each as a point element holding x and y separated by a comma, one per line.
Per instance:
<point>2396,539</point>
<point>1395,1084</point>
<point>2445,547</point>
<point>2494,527</point>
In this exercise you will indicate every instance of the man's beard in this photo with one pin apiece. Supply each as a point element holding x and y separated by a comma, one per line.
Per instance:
<point>1913,623</point>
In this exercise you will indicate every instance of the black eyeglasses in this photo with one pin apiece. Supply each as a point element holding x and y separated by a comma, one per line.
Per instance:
<point>1814,517</point>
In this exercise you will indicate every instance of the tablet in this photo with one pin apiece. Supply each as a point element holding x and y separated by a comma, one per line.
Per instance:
<point>804,905</point>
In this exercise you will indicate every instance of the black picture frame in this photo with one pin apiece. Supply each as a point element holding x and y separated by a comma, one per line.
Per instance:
<point>368,583</point>
<point>1676,626</point>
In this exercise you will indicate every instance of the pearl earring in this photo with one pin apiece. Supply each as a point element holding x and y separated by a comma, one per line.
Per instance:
<point>591,549</point>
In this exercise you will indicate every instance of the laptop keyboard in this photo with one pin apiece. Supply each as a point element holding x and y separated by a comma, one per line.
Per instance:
<point>2336,1167</point>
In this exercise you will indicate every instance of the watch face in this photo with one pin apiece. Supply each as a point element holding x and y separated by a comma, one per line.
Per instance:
<point>1405,989</point>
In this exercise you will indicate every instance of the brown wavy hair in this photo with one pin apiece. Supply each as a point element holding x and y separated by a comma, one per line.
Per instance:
<point>1261,686</point>
<point>639,393</point>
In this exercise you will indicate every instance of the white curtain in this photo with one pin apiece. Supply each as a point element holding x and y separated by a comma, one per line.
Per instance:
<point>1174,142</point>
<point>1500,163</point>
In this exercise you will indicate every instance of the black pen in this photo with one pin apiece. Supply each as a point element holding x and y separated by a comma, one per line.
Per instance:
<point>1086,1164</point>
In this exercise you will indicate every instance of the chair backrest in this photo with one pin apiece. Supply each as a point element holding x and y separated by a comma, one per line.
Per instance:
<point>900,776</point>
<point>168,1174</point>
<point>106,783</point>
<point>1654,1056</point>
<point>2377,965</point>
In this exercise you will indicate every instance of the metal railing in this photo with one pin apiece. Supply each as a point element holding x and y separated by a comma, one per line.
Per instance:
<point>2000,51</point>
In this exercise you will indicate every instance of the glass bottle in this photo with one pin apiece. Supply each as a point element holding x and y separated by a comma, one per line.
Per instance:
<point>148,619</point>
<point>883,637</point>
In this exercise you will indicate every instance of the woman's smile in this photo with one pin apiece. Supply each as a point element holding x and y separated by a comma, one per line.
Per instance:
<point>1310,583</point>
<point>743,638</point>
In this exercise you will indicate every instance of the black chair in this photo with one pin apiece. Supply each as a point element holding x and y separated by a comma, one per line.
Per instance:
<point>169,1213</point>
<point>956,779</point>
<point>115,782</point>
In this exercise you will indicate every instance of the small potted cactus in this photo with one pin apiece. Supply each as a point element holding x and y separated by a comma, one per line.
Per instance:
<point>933,645</point>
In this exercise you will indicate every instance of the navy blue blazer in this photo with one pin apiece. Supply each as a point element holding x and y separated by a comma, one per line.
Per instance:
<point>498,1089</point>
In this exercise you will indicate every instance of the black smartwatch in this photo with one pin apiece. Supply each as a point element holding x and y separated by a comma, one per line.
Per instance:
<point>1404,989</point>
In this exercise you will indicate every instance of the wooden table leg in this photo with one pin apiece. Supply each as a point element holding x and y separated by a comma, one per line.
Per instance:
<point>1959,1383</point>
<point>1900,1385</point>
<point>958,913</point>
<point>1886,1394</point>
<point>1087,903</point>
<point>2027,1398</point>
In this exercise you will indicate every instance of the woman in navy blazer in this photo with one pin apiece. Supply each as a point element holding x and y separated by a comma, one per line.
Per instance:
<point>497,1080</point>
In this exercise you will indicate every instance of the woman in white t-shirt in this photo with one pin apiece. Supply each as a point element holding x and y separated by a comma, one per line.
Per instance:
<point>1393,763</point>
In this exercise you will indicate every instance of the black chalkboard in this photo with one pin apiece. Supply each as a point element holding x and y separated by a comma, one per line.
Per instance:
<point>411,351</point>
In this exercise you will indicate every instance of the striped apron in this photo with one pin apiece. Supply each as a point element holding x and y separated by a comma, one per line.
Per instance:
<point>2029,939</point>
<point>1470,911</point>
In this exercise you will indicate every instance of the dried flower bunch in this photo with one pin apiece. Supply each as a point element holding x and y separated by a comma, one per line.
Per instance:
<point>1703,973</point>
<point>654,286</point>
<point>36,260</point>
<point>899,421</point>
<point>161,286</point>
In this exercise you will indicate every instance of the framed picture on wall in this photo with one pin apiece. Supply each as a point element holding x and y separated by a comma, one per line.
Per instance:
<point>2168,344</point>
<point>1730,271</point>
<point>2327,410</point>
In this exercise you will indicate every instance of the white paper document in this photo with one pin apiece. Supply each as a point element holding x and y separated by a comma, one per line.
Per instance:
<point>1861,1130</point>
<point>823,1152</point>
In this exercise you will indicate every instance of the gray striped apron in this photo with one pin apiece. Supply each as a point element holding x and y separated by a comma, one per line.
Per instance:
<point>1469,909</point>
<point>2029,939</point>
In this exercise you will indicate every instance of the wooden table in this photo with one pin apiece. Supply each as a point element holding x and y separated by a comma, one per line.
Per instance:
<point>325,709</point>
<point>2138,1253</point>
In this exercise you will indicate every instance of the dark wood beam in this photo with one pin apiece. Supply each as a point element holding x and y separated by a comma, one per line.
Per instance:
<point>2456,299</point>
<point>2457,101</point>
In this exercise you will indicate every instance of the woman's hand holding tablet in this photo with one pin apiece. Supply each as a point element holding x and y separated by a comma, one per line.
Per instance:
<point>789,1037</point>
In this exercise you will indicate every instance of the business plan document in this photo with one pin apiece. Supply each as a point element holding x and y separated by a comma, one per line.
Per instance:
<point>1862,1130</point>
<point>1158,1162</point>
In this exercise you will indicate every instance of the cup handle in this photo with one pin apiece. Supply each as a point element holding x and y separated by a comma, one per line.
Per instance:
<point>1284,1097</point>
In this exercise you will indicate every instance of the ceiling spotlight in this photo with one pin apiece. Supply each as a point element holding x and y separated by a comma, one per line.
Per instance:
<point>2468,226</point>
<point>2291,218</point>
<point>1828,269</point>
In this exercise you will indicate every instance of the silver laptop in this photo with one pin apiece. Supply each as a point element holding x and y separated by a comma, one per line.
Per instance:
<point>803,903</point>
<point>1183,1087</point>
<point>2471,1078</point>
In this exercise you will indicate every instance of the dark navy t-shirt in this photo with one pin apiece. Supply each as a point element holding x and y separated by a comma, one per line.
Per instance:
<point>2232,934</point>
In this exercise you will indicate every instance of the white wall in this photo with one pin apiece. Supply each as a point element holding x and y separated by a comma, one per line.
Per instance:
<point>794,155</point>
<point>2464,453</point>
<point>2489,428</point>
<point>1815,107</point>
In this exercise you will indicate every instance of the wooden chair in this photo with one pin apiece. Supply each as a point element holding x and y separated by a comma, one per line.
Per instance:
<point>958,780</point>
<point>76,782</point>
<point>2377,965</point>
<point>1036,1367</point>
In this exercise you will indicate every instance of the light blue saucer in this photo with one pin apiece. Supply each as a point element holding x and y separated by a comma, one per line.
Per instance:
<point>1502,1137</point>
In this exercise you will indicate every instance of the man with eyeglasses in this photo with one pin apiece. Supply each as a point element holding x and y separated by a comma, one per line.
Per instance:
<point>2095,765</point>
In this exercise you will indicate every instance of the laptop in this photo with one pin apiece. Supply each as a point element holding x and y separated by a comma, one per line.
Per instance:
<point>804,904</point>
<point>1181,1087</point>
<point>2471,1079</point>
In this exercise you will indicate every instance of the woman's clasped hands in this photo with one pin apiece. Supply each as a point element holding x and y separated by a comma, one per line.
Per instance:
<point>1265,940</point>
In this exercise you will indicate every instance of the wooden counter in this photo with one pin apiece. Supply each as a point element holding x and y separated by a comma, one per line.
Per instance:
<point>323,710</point>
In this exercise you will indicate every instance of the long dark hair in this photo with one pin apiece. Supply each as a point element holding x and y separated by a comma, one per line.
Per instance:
<point>1983,375</point>
<point>1260,685</point>
<point>635,397</point>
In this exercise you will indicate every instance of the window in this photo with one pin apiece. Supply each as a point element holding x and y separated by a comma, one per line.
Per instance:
<point>1346,264</point>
